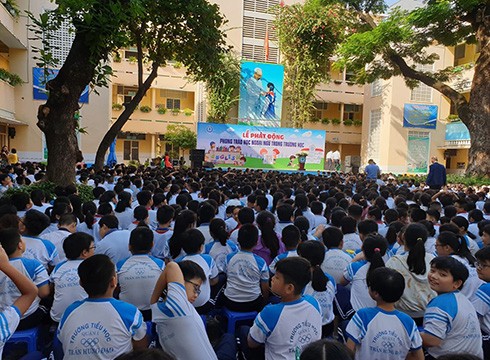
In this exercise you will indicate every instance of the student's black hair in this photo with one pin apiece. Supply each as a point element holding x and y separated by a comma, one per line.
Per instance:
<point>105,209</point>
<point>367,227</point>
<point>388,283</point>
<point>191,270</point>
<point>192,240</point>
<point>301,201</point>
<point>476,215</point>
<point>391,215</point>
<point>140,214</point>
<point>35,222</point>
<point>248,236</point>
<point>146,354</point>
<point>461,222</point>
<point>143,197</point>
<point>483,254</point>
<point>206,213</point>
<point>284,212</point>
<point>123,201</point>
<point>246,216</point>
<point>165,214</point>
<point>355,210</point>
<point>20,200</point>
<point>332,237</point>
<point>141,240</point>
<point>98,191</point>
<point>262,202</point>
<point>314,252</point>
<point>303,224</point>
<point>348,225</point>
<point>457,243</point>
<point>450,211</point>
<point>67,219</point>
<point>10,239</point>
<point>110,221</point>
<point>374,248</point>
<point>74,244</point>
<point>455,267</point>
<point>336,218</point>
<point>266,223</point>
<point>316,207</point>
<point>375,212</point>
<point>96,273</point>
<point>291,236</point>
<point>449,227</point>
<point>37,197</point>
<point>57,210</point>
<point>429,226</point>
<point>418,214</point>
<point>485,229</point>
<point>89,209</point>
<point>296,271</point>
<point>393,230</point>
<point>434,213</point>
<point>415,236</point>
<point>183,221</point>
<point>326,349</point>
<point>217,229</point>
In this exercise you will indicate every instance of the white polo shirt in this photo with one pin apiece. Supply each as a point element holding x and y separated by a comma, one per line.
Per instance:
<point>40,250</point>
<point>115,245</point>
<point>9,320</point>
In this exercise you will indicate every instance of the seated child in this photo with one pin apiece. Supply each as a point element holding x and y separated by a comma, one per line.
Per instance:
<point>193,245</point>
<point>245,216</point>
<point>163,232</point>
<point>322,286</point>
<point>247,283</point>
<point>450,321</point>
<point>10,314</point>
<point>290,237</point>
<point>66,225</point>
<point>220,247</point>
<point>481,300</point>
<point>11,241</point>
<point>382,332</point>
<point>336,259</point>
<point>180,328</point>
<point>64,279</point>
<point>352,241</point>
<point>286,328</point>
<point>139,273</point>
<point>100,327</point>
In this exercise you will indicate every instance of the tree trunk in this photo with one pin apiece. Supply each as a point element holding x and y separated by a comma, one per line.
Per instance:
<point>56,117</point>
<point>123,118</point>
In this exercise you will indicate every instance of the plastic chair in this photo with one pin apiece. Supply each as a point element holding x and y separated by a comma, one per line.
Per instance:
<point>233,317</point>
<point>28,337</point>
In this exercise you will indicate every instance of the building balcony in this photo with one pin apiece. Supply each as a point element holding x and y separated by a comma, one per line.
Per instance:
<point>340,91</point>
<point>13,30</point>
<point>341,134</point>
<point>155,123</point>
<point>7,97</point>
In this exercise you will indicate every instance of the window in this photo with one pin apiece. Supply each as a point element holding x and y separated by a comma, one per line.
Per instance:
<point>422,93</point>
<point>374,134</point>
<point>173,103</point>
<point>350,111</point>
<point>60,41</point>
<point>130,53</point>
<point>376,88</point>
<point>459,51</point>
<point>131,150</point>
<point>350,76</point>
<point>260,6</point>
<point>126,92</point>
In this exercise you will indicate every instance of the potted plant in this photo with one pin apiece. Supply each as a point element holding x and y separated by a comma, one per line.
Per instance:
<point>302,159</point>
<point>161,110</point>
<point>117,57</point>
<point>132,59</point>
<point>175,111</point>
<point>187,112</point>
<point>453,118</point>
<point>325,121</point>
<point>357,122</point>
<point>177,65</point>
<point>314,120</point>
<point>336,121</point>
<point>145,109</point>
<point>116,106</point>
<point>348,122</point>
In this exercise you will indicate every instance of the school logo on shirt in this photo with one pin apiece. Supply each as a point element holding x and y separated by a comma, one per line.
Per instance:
<point>384,342</point>
<point>302,334</point>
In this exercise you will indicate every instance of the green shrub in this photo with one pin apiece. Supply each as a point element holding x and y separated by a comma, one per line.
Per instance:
<point>187,112</point>
<point>357,122</point>
<point>336,121</point>
<point>161,110</point>
<point>117,106</point>
<point>451,179</point>
<point>348,122</point>
<point>325,121</point>
<point>145,108</point>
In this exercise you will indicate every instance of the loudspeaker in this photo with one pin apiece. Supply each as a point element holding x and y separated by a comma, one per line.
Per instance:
<point>11,132</point>
<point>196,157</point>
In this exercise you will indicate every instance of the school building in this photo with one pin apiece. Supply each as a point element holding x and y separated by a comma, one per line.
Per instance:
<point>364,121</point>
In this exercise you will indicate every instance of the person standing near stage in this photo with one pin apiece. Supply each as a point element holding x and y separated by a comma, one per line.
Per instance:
<point>330,160</point>
<point>336,160</point>
<point>372,170</point>
<point>436,178</point>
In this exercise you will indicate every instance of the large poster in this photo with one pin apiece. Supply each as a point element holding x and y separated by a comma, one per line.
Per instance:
<point>39,80</point>
<point>420,116</point>
<point>228,145</point>
<point>418,153</point>
<point>261,90</point>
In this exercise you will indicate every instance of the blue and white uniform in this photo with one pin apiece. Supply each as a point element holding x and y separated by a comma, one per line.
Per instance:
<point>356,274</point>
<point>335,263</point>
<point>289,253</point>
<point>352,241</point>
<point>204,229</point>
<point>219,252</point>
<point>40,250</point>
<point>67,287</point>
<point>115,245</point>
<point>161,236</point>
<point>9,320</point>
<point>57,238</point>
<point>383,335</point>
<point>180,328</point>
<point>324,298</point>
<point>451,318</point>
<point>125,218</point>
<point>100,329</point>
<point>208,265</point>
<point>245,271</point>
<point>473,283</point>
<point>286,328</point>
<point>9,293</point>
<point>481,302</point>
<point>137,277</point>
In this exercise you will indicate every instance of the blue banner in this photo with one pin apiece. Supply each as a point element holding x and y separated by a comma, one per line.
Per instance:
<point>39,81</point>
<point>420,116</point>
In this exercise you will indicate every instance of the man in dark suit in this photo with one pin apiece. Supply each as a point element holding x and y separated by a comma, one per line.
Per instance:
<point>437,175</point>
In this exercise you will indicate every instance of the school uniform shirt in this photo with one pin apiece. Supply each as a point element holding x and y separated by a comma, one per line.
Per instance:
<point>286,328</point>
<point>115,245</point>
<point>311,218</point>
<point>290,253</point>
<point>318,220</point>
<point>52,227</point>
<point>245,271</point>
<point>208,265</point>
<point>452,318</point>
<point>40,250</point>
<point>430,245</point>
<point>219,252</point>
<point>125,218</point>
<point>137,277</point>
<point>417,292</point>
<point>231,224</point>
<point>9,293</point>
<point>383,335</point>
<point>100,329</point>
<point>152,217</point>
<point>473,283</point>
<point>204,229</point>
<point>179,327</point>
<point>83,227</point>
<point>325,298</point>
<point>280,225</point>
<point>160,242</point>
<point>356,274</point>
<point>41,208</point>
<point>335,263</point>
<point>481,302</point>
<point>9,320</point>
<point>67,287</point>
<point>352,241</point>
<point>56,238</point>
<point>383,229</point>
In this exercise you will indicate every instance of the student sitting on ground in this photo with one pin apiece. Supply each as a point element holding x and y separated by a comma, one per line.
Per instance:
<point>286,328</point>
<point>450,321</point>
<point>220,247</point>
<point>11,313</point>
<point>33,269</point>
<point>336,259</point>
<point>382,332</point>
<point>67,225</point>
<point>352,241</point>
<point>162,232</point>
<point>138,274</point>
<point>64,280</point>
<point>114,242</point>
<point>245,216</point>
<point>100,327</point>
<point>291,238</point>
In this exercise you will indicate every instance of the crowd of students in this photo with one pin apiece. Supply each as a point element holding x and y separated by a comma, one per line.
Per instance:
<point>394,270</point>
